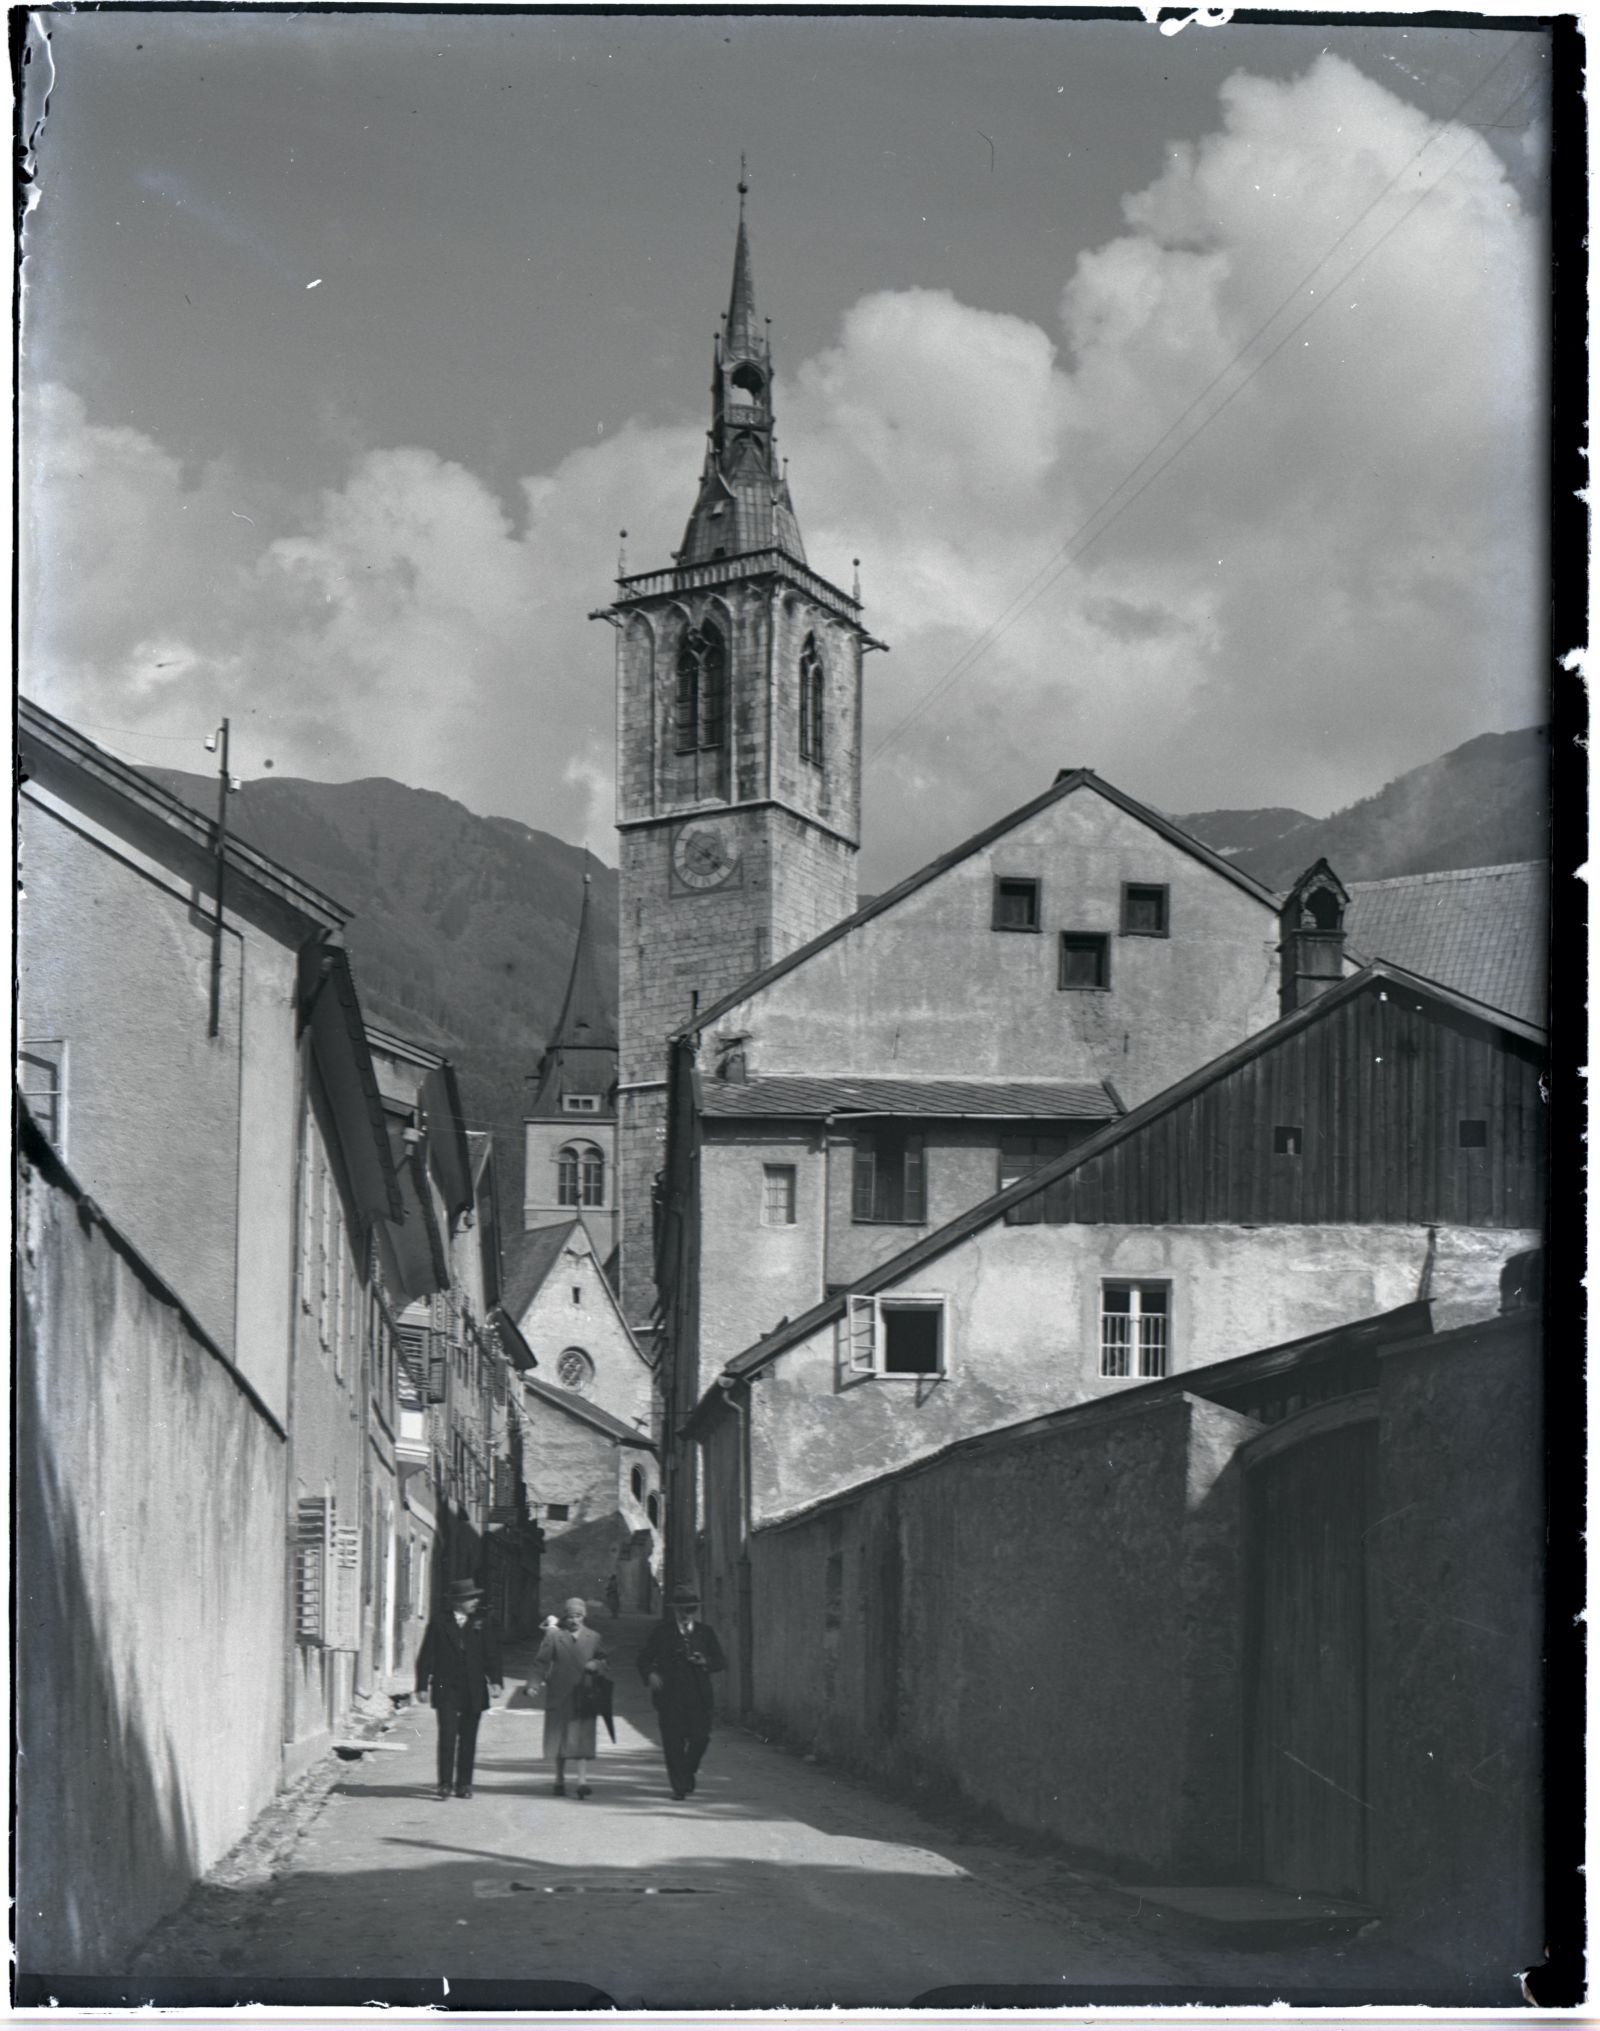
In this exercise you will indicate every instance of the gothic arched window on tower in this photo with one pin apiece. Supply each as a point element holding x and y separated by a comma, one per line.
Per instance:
<point>811,685</point>
<point>702,707</point>
<point>580,1175</point>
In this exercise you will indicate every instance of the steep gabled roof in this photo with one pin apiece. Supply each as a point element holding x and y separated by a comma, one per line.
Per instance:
<point>988,1211</point>
<point>528,1261</point>
<point>1066,782</point>
<point>44,741</point>
<point>588,1413</point>
<point>1481,930</point>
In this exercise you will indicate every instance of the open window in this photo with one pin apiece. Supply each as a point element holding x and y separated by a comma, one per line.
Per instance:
<point>902,1335</point>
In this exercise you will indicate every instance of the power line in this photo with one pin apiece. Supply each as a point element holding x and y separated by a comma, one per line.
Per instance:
<point>1055,565</point>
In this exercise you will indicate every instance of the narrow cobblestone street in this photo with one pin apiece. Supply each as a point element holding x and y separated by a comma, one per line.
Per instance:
<point>778,1884</point>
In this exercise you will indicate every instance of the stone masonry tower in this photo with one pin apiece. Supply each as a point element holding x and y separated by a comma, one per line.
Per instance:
<point>738,756</point>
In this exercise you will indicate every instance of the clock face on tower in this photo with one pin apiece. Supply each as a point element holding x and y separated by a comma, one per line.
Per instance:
<point>705,855</point>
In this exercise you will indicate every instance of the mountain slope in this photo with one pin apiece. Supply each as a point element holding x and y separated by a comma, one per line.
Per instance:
<point>462,927</point>
<point>1482,804</point>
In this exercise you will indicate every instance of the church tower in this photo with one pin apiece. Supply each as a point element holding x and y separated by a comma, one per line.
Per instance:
<point>570,1131</point>
<point>738,754</point>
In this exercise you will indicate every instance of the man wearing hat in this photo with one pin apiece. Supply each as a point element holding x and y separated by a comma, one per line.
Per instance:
<point>676,1663</point>
<point>460,1661</point>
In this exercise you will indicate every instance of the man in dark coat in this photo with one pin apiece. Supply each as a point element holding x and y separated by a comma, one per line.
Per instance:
<point>460,1661</point>
<point>676,1663</point>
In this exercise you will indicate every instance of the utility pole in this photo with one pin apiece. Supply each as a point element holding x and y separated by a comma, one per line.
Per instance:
<point>224,785</point>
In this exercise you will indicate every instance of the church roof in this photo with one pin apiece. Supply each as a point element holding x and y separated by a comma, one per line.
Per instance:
<point>590,1413</point>
<point>1481,930</point>
<point>528,1261</point>
<point>584,1025</point>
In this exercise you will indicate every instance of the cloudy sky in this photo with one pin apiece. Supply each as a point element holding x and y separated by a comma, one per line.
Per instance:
<point>1182,395</point>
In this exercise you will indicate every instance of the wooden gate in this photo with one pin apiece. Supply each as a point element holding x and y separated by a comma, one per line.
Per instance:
<point>1311,1493</point>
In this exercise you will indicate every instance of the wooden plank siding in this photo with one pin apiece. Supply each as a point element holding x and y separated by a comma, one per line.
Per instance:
<point>1378,1091</point>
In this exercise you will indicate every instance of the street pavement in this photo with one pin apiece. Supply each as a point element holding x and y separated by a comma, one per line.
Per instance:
<point>777,1884</point>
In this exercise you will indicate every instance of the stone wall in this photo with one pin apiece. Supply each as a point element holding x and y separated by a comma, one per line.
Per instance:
<point>1458,1559</point>
<point>150,1506</point>
<point>1045,1627</point>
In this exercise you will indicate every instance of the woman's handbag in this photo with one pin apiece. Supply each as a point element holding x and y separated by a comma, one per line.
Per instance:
<point>592,1696</point>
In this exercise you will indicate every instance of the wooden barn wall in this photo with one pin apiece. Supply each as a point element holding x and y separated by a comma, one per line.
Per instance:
<point>1378,1089</point>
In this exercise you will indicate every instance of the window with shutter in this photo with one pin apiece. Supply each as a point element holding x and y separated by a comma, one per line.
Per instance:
<point>890,1177</point>
<point>900,1335</point>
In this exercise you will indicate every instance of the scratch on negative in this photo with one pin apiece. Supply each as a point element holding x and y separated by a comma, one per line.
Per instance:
<point>1322,1779</point>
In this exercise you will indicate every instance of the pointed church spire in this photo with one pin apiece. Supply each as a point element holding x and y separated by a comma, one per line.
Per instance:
<point>742,332</point>
<point>581,1057</point>
<point>744,502</point>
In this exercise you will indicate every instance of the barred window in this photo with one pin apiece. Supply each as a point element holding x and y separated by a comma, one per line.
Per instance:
<point>1134,1323</point>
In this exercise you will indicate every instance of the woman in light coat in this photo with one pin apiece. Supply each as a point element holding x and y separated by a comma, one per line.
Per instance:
<point>569,1652</point>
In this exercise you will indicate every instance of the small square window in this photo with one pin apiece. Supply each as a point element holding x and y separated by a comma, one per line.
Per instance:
<point>558,1512</point>
<point>1085,960</point>
<point>777,1195</point>
<point>1016,903</point>
<point>1144,909</point>
<point>1473,1135</point>
<point>1287,1142</point>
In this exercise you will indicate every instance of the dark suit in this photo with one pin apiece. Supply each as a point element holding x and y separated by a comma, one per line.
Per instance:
<point>684,1662</point>
<point>459,1661</point>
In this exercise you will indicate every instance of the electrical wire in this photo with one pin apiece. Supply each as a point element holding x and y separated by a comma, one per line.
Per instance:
<point>1072,549</point>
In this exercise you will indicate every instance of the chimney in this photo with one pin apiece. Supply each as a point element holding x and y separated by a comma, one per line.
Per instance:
<point>1311,951</point>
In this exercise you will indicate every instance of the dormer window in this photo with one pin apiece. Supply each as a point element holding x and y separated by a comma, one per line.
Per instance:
<point>580,1103</point>
<point>811,694</point>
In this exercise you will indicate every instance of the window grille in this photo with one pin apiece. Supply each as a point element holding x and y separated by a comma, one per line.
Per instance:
<point>42,1078</point>
<point>1134,1321</point>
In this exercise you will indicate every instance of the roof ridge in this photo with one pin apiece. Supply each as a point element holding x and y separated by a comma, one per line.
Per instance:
<point>1446,874</point>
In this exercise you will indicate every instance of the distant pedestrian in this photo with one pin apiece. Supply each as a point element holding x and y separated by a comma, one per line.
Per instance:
<point>613,1598</point>
<point>570,1653</point>
<point>676,1663</point>
<point>459,1662</point>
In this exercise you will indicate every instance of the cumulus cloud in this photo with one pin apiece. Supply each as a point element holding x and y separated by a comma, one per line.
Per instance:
<point>1339,578</point>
